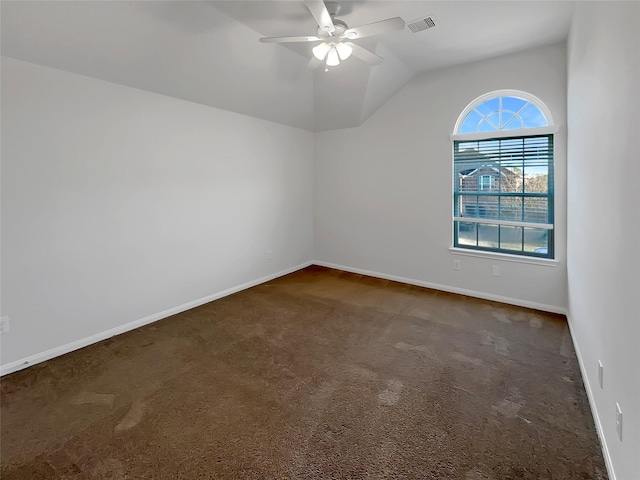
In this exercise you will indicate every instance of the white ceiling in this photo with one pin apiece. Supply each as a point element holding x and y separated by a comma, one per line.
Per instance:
<point>209,53</point>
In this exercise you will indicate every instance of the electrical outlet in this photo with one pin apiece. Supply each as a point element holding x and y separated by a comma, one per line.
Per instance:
<point>456,265</point>
<point>269,255</point>
<point>4,325</point>
<point>495,270</point>
<point>619,421</point>
<point>600,374</point>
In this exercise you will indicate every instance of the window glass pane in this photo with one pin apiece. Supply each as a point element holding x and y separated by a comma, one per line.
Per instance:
<point>511,208</point>
<point>536,180</point>
<point>510,179</point>
<point>536,209</point>
<point>536,240</point>
<point>470,123</point>
<point>487,235</point>
<point>513,103</point>
<point>486,126</point>
<point>468,206</point>
<point>511,238</point>
<point>468,183</point>
<point>467,233</point>
<point>488,207</point>
<point>489,106</point>
<point>533,117</point>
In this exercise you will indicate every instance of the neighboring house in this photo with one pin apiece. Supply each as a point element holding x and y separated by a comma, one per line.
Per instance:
<point>485,177</point>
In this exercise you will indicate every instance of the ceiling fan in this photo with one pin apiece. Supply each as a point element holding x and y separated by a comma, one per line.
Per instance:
<point>334,35</point>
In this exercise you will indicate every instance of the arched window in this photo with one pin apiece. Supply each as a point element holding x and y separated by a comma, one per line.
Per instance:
<point>503,175</point>
<point>503,110</point>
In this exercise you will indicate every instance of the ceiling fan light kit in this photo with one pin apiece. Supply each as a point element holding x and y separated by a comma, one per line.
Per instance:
<point>331,32</point>
<point>332,57</point>
<point>320,51</point>
<point>344,50</point>
<point>332,51</point>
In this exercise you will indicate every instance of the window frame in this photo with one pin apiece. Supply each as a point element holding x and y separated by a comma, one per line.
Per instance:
<point>549,130</point>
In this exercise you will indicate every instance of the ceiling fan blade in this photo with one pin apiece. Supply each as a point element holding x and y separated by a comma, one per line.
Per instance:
<point>311,38</point>
<point>364,54</point>
<point>376,28</point>
<point>319,11</point>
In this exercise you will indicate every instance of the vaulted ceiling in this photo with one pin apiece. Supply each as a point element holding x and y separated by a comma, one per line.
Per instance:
<point>209,53</point>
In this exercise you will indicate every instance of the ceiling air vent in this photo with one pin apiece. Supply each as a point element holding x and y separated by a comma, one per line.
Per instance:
<point>422,24</point>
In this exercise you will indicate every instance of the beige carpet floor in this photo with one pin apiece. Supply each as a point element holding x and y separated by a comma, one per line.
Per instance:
<point>320,374</point>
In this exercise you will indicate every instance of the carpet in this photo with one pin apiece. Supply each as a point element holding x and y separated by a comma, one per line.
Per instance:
<point>320,374</point>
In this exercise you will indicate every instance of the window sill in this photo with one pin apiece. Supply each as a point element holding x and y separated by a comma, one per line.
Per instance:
<point>547,262</point>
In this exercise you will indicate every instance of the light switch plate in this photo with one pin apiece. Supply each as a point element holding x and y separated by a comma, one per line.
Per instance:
<point>619,421</point>
<point>600,374</point>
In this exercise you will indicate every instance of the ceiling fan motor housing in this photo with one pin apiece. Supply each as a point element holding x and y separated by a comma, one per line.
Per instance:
<point>340,28</point>
<point>333,8</point>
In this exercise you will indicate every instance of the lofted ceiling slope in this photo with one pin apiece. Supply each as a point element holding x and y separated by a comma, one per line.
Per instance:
<point>209,53</point>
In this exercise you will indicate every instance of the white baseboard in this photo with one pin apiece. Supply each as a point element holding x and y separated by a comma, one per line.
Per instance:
<point>83,342</point>
<point>446,288</point>
<point>592,404</point>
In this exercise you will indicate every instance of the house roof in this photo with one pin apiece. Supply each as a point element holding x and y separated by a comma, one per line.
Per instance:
<point>499,171</point>
<point>209,53</point>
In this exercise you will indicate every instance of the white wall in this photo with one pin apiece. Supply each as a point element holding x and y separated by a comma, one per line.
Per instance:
<point>118,204</point>
<point>604,216</point>
<point>383,191</point>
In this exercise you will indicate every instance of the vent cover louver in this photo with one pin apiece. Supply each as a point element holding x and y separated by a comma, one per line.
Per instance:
<point>422,24</point>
